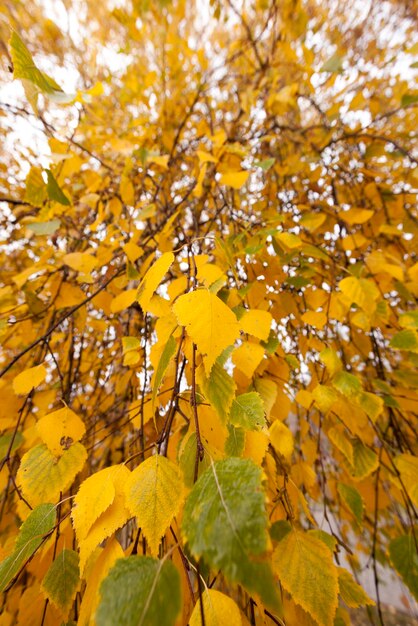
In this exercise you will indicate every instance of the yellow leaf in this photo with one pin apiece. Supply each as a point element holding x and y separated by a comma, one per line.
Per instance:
<point>69,295</point>
<point>209,273</point>
<point>312,221</point>
<point>154,494</point>
<point>127,191</point>
<point>256,444</point>
<point>123,300</point>
<point>317,319</point>
<point>91,597</point>
<point>218,609</point>
<point>247,357</point>
<point>80,262</point>
<point>24,382</point>
<point>306,570</point>
<point>162,161</point>
<point>256,322</point>
<point>407,465</point>
<point>198,189</point>
<point>281,439</point>
<point>114,517</point>
<point>60,430</point>
<point>331,360</point>
<point>42,477</point>
<point>234,179</point>
<point>289,240</point>
<point>206,157</point>
<point>94,497</point>
<point>356,216</point>
<point>153,278</point>
<point>209,323</point>
<point>132,251</point>
<point>360,291</point>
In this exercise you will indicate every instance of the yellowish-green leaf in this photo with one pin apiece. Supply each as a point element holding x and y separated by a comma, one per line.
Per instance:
<point>209,323</point>
<point>247,411</point>
<point>42,477</point>
<point>24,68</point>
<point>31,534</point>
<point>306,570</point>
<point>366,460</point>
<point>218,388</point>
<point>35,187</point>
<point>351,593</point>
<point>165,358</point>
<point>405,340</point>
<point>154,494</point>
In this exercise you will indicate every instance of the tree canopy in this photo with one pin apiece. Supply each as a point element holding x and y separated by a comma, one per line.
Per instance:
<point>207,310</point>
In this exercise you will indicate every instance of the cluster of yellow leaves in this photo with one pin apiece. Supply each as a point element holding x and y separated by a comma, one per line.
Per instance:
<point>216,270</point>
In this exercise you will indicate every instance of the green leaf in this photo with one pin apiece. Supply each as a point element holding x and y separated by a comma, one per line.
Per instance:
<point>329,540</point>
<point>39,523</point>
<point>235,443</point>
<point>306,570</point>
<point>247,411</point>
<point>140,591</point>
<point>44,228</point>
<point>163,363</point>
<point>225,524</point>
<point>62,581</point>
<point>404,557</point>
<point>266,164</point>
<point>218,388</point>
<point>280,529</point>
<point>409,98</point>
<point>405,340</point>
<point>5,441</point>
<point>54,190</point>
<point>351,497</point>
<point>334,64</point>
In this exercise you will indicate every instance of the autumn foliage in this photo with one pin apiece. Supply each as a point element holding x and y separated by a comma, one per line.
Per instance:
<point>208,311</point>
